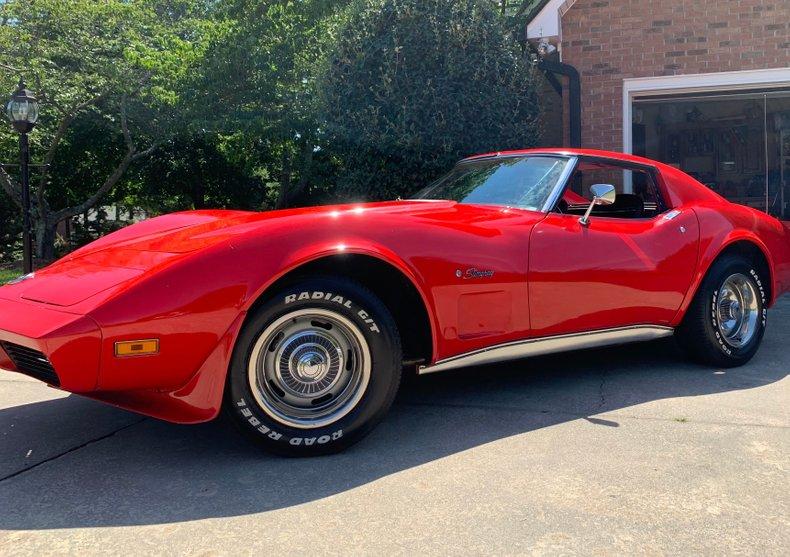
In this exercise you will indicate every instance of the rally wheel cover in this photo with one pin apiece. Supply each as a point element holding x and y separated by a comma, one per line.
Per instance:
<point>315,368</point>
<point>309,368</point>
<point>725,323</point>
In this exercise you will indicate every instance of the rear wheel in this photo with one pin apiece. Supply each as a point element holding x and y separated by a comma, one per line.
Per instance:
<point>315,368</point>
<point>725,323</point>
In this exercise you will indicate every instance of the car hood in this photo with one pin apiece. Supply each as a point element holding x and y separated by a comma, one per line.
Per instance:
<point>128,255</point>
<point>185,232</point>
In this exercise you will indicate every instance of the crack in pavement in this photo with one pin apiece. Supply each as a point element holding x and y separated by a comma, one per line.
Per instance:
<point>602,403</point>
<point>71,450</point>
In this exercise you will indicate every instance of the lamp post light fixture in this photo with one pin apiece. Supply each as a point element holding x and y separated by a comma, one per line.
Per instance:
<point>22,111</point>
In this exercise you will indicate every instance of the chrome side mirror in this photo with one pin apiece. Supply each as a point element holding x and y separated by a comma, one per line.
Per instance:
<point>603,194</point>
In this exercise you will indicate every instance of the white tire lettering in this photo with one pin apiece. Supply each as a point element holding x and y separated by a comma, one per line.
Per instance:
<point>335,298</point>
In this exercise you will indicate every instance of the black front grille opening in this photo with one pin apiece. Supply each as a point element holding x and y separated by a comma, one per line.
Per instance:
<point>31,362</point>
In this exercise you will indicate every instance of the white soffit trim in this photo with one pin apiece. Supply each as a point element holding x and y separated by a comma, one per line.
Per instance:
<point>695,83</point>
<point>547,22</point>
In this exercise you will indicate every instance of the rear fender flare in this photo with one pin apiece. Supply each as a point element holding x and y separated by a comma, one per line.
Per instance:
<point>710,253</point>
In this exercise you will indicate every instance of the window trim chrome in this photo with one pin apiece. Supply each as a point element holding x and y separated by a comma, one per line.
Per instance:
<point>559,187</point>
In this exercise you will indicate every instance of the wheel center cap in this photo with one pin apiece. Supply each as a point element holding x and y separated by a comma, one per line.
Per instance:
<point>730,309</point>
<point>311,366</point>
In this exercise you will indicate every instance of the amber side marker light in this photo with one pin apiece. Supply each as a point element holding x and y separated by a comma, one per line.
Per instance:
<point>146,347</point>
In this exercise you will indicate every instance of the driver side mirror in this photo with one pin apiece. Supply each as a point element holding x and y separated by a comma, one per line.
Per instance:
<point>603,194</point>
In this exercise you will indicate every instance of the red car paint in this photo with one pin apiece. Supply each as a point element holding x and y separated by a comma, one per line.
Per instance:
<point>188,279</point>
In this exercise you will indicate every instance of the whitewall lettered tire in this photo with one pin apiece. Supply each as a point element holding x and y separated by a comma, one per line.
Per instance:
<point>315,368</point>
<point>725,323</point>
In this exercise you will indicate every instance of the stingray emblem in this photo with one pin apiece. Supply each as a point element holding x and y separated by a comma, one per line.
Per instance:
<point>474,273</point>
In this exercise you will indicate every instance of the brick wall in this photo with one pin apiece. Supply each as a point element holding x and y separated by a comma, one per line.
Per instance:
<point>609,40</point>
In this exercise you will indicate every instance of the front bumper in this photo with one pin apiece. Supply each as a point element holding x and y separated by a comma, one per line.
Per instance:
<point>36,337</point>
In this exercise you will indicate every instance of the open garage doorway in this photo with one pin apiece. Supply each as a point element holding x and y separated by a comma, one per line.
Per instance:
<point>735,142</point>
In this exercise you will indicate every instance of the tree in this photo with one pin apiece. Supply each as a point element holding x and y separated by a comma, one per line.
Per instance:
<point>258,79</point>
<point>412,85</point>
<point>10,232</point>
<point>116,65</point>
<point>196,172</point>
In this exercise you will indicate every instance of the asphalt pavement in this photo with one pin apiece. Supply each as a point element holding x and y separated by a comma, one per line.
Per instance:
<point>614,451</point>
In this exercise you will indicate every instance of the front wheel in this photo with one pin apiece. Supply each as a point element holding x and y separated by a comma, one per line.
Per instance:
<point>725,323</point>
<point>315,368</point>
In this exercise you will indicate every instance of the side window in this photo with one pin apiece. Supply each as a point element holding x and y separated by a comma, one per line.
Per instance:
<point>638,195</point>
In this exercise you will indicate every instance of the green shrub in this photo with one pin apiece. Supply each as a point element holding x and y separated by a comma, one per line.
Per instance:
<point>10,230</point>
<point>413,85</point>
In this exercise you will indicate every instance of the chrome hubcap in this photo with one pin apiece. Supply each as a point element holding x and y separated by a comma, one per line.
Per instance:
<point>309,368</point>
<point>737,310</point>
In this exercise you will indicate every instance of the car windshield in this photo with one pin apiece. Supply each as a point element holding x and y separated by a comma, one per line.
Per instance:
<point>525,182</point>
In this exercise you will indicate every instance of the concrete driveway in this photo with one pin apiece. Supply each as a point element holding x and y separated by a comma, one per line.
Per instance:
<point>616,451</point>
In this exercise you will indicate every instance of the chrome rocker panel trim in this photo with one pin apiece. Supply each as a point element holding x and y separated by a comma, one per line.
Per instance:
<point>550,345</point>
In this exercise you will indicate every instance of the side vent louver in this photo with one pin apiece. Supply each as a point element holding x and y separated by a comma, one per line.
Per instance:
<point>31,362</point>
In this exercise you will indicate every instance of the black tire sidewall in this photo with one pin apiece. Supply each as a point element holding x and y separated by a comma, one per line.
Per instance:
<point>373,320</point>
<point>724,269</point>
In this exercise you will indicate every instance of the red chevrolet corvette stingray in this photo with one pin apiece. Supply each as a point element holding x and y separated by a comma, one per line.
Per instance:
<point>298,323</point>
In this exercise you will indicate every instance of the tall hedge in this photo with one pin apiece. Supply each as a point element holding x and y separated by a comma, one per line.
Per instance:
<point>413,85</point>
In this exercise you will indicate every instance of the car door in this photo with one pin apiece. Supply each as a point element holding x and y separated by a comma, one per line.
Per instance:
<point>629,265</point>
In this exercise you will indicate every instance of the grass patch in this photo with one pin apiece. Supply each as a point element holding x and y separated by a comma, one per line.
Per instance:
<point>8,274</point>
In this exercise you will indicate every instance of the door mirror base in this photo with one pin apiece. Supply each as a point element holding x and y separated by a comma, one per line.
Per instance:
<point>603,194</point>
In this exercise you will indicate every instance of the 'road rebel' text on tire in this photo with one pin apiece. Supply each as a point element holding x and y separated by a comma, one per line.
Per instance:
<point>373,321</point>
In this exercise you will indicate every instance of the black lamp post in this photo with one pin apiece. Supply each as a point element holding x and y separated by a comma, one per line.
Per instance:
<point>22,111</point>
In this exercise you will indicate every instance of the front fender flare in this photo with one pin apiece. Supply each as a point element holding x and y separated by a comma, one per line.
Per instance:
<point>311,253</point>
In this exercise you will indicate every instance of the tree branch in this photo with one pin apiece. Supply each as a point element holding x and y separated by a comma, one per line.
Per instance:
<point>11,69</point>
<point>68,117</point>
<point>109,183</point>
<point>40,92</point>
<point>49,157</point>
<point>11,187</point>
<point>146,152</point>
<point>131,155</point>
